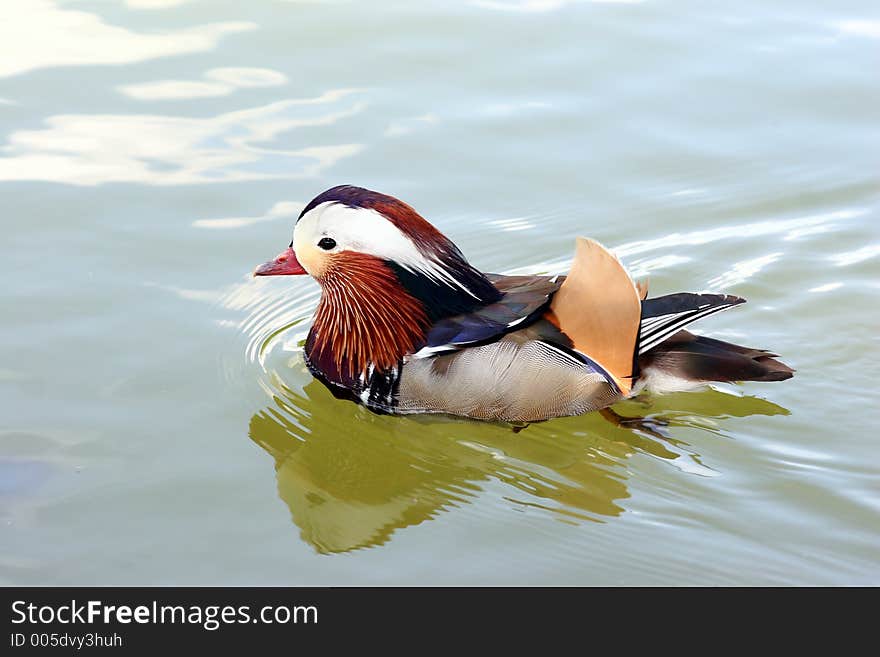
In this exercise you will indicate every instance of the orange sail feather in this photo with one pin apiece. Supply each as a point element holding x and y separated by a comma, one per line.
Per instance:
<point>599,308</point>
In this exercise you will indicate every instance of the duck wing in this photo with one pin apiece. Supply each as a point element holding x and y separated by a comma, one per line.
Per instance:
<point>598,308</point>
<point>524,300</point>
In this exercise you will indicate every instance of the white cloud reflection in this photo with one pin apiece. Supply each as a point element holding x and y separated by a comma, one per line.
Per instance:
<point>38,34</point>
<point>175,90</point>
<point>220,82</point>
<point>277,211</point>
<point>91,149</point>
<point>539,6</point>
<point>247,77</point>
<point>864,28</point>
<point>522,5</point>
<point>406,126</point>
<point>154,4</point>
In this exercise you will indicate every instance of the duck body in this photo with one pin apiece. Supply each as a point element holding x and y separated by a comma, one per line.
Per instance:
<point>477,365</point>
<point>406,325</point>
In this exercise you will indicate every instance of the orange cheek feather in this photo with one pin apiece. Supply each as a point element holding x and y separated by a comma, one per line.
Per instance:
<point>365,316</point>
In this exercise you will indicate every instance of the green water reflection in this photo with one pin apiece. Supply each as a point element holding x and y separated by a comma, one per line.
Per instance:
<point>351,478</point>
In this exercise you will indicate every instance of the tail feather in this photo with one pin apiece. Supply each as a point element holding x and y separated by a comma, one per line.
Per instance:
<point>664,316</point>
<point>697,358</point>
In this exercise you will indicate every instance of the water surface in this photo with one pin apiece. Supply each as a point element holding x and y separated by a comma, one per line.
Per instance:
<point>157,423</point>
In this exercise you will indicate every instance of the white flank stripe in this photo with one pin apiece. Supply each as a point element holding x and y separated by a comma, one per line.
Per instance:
<point>564,354</point>
<point>427,352</point>
<point>659,335</point>
<point>659,328</point>
<point>651,321</point>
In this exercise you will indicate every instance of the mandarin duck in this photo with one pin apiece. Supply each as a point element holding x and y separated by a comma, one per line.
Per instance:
<point>405,324</point>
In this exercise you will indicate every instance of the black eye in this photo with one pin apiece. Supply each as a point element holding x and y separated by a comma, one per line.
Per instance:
<point>327,243</point>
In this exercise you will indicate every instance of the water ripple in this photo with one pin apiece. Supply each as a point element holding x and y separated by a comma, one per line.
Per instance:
<point>743,271</point>
<point>789,229</point>
<point>859,255</point>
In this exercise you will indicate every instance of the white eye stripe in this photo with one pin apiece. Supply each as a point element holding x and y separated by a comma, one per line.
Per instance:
<point>367,231</point>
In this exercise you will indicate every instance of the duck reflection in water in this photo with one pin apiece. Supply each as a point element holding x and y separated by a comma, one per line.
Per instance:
<point>352,478</point>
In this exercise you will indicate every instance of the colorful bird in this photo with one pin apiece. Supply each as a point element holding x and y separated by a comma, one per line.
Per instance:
<point>406,325</point>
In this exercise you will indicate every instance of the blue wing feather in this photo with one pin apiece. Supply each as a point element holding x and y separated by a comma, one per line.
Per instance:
<point>524,300</point>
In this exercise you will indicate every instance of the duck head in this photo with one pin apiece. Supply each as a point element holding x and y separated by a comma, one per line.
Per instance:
<point>386,274</point>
